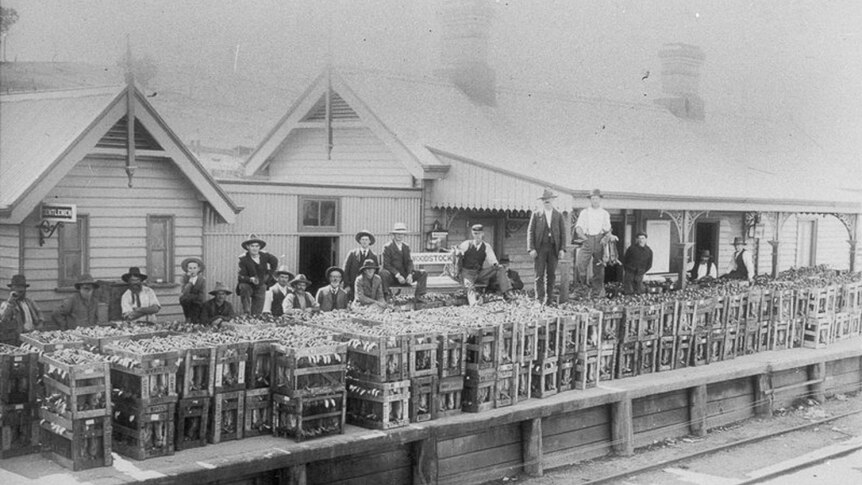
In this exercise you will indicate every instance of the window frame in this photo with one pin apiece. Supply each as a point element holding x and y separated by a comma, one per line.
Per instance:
<point>813,243</point>
<point>170,239</point>
<point>300,221</point>
<point>84,243</point>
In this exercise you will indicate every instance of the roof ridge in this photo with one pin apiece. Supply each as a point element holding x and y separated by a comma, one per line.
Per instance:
<point>62,93</point>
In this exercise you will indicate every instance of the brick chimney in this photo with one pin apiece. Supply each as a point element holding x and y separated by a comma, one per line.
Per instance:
<point>680,80</point>
<point>466,28</point>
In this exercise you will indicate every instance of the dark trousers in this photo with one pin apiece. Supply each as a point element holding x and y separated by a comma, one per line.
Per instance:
<point>545,265</point>
<point>252,297</point>
<point>633,282</point>
<point>192,310</point>
<point>419,277</point>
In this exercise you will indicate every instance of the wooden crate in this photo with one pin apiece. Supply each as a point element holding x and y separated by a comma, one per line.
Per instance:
<point>144,361</point>
<point>378,405</point>
<point>544,379</point>
<point>703,315</point>
<point>736,308</point>
<point>730,343</point>
<point>37,345</point>
<point>565,372</point>
<point>483,347</point>
<point>613,320</point>
<point>379,359</point>
<point>856,323</point>
<point>528,338</point>
<point>422,358</point>
<point>586,369</point>
<point>683,351</point>
<point>686,315</point>
<point>85,389</point>
<point>753,305</point>
<point>668,319</point>
<point>783,305</point>
<point>449,394</point>
<point>607,363</point>
<point>258,413</point>
<point>423,394</point>
<point>780,334</point>
<point>316,370</point>
<point>570,326</point>
<point>19,430</point>
<point>719,313</point>
<point>192,422</point>
<point>524,371</point>
<point>144,387</point>
<point>548,339</point>
<point>509,343</point>
<point>230,361</point>
<point>506,386</point>
<point>227,417</point>
<point>99,344</point>
<point>817,332</point>
<point>80,444</point>
<point>666,354</point>
<point>307,417</point>
<point>716,342</point>
<point>18,375</point>
<point>452,351</point>
<point>590,333</point>
<point>647,356</point>
<point>842,326</point>
<point>631,323</point>
<point>196,374</point>
<point>821,302</point>
<point>478,395</point>
<point>260,365</point>
<point>143,432</point>
<point>700,352</point>
<point>751,338</point>
<point>627,366</point>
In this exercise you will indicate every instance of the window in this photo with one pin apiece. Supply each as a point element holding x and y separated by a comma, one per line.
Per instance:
<point>74,249</point>
<point>318,215</point>
<point>806,242</point>
<point>160,249</point>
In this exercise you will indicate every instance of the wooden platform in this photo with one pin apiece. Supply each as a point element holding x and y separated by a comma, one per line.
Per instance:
<point>534,435</point>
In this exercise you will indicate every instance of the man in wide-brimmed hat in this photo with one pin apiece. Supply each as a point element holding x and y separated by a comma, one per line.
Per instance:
<point>80,309</point>
<point>193,293</point>
<point>139,302</point>
<point>217,309</point>
<point>332,296</point>
<point>256,268</point>
<point>593,227</point>
<point>276,293</point>
<point>18,314</point>
<point>742,264</point>
<point>704,267</point>
<point>300,299</point>
<point>546,243</point>
<point>368,286</point>
<point>398,269</point>
<point>478,265</point>
<point>356,257</point>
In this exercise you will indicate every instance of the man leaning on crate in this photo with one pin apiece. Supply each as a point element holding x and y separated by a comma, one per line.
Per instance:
<point>478,265</point>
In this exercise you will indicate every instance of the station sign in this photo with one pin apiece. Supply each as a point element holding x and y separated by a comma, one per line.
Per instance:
<point>54,213</point>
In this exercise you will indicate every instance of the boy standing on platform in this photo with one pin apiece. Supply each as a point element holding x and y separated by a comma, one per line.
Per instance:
<point>356,257</point>
<point>255,275</point>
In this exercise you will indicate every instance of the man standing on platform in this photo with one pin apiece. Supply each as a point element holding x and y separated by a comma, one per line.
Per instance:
<point>80,309</point>
<point>594,228</point>
<point>18,314</point>
<point>276,293</point>
<point>255,275</point>
<point>637,261</point>
<point>356,257</point>
<point>479,265</point>
<point>546,243</point>
<point>398,267</point>
<point>742,265</point>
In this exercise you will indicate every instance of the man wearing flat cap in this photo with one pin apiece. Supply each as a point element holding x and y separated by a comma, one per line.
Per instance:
<point>594,228</point>
<point>637,261</point>
<point>479,265</point>
<point>356,257</point>
<point>18,314</point>
<point>332,296</point>
<point>217,309</point>
<point>256,270</point>
<point>398,267</point>
<point>80,309</point>
<point>276,293</point>
<point>193,294</point>
<point>546,243</point>
<point>139,302</point>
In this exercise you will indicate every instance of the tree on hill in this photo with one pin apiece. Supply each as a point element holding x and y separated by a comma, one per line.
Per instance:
<point>8,16</point>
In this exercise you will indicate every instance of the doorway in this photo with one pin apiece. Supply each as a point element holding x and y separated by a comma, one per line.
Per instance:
<point>316,254</point>
<point>706,239</point>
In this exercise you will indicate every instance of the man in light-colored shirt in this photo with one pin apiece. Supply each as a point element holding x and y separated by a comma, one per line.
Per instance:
<point>704,267</point>
<point>594,228</point>
<point>275,295</point>
<point>742,264</point>
<point>300,299</point>
<point>139,302</point>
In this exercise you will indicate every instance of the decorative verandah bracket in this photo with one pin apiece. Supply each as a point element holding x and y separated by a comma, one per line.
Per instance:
<point>850,222</point>
<point>684,222</point>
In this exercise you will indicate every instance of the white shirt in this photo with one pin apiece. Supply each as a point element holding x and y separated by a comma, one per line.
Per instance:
<point>746,260</point>
<point>548,215</point>
<point>490,256</point>
<point>705,269</point>
<point>267,299</point>
<point>594,221</point>
<point>147,298</point>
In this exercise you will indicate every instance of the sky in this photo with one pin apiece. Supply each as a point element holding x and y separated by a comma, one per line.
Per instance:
<point>779,59</point>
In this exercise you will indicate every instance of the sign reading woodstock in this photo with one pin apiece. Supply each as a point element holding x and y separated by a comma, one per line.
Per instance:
<point>59,212</point>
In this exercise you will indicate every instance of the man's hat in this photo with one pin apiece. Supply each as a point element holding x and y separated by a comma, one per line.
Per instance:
<point>504,260</point>
<point>334,269</point>
<point>252,238</point>
<point>368,264</point>
<point>705,254</point>
<point>283,270</point>
<point>18,280</point>
<point>399,228</point>
<point>477,227</point>
<point>548,194</point>
<point>220,288</point>
<point>596,193</point>
<point>365,232</point>
<point>85,279</point>
<point>300,278</point>
<point>134,271</point>
<point>185,264</point>
<point>738,240</point>
<point>641,233</point>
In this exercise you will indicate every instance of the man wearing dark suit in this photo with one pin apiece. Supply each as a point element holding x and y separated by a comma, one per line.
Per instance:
<point>256,270</point>
<point>332,296</point>
<point>398,267</point>
<point>356,257</point>
<point>546,244</point>
<point>193,293</point>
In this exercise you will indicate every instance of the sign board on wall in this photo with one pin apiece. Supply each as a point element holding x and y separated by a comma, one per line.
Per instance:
<point>54,213</point>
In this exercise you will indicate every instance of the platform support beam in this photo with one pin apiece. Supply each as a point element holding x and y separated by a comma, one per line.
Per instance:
<point>293,475</point>
<point>763,395</point>
<point>531,437</point>
<point>697,408</point>
<point>622,432</point>
<point>424,454</point>
<point>817,372</point>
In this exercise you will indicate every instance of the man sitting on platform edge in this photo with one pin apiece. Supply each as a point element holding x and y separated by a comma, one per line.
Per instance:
<point>479,265</point>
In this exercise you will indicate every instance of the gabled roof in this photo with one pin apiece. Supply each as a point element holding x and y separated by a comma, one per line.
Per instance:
<point>639,154</point>
<point>44,134</point>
